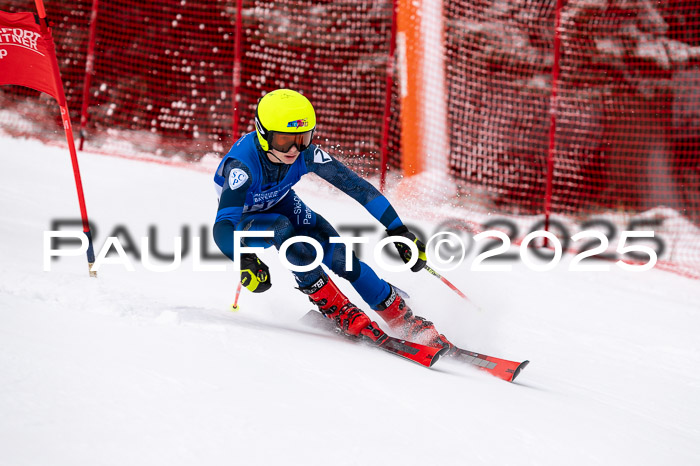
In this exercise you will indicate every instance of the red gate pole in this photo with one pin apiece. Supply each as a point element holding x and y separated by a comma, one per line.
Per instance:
<point>552,118</point>
<point>69,137</point>
<point>237,69</point>
<point>390,70</point>
<point>89,72</point>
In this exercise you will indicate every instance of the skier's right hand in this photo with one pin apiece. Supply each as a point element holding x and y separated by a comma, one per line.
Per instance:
<point>255,275</point>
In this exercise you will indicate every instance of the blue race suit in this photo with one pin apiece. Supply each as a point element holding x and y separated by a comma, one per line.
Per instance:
<point>256,194</point>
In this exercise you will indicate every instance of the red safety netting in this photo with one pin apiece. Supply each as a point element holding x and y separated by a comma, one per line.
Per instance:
<point>626,112</point>
<point>162,74</point>
<point>335,53</point>
<point>163,71</point>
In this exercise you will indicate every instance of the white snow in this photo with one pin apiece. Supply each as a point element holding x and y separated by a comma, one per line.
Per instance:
<point>144,368</point>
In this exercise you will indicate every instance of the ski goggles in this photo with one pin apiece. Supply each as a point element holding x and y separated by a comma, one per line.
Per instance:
<point>284,142</point>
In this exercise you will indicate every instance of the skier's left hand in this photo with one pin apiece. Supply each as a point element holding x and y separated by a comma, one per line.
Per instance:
<point>405,251</point>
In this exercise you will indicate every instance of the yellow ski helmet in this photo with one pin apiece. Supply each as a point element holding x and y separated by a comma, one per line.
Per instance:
<point>284,118</point>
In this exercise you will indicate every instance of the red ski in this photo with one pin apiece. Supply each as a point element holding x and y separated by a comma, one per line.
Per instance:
<point>421,354</point>
<point>424,355</point>
<point>501,368</point>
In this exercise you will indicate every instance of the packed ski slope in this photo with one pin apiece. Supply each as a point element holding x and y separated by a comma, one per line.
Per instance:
<point>144,368</point>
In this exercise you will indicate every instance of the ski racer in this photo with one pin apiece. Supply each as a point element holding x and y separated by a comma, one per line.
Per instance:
<point>254,181</point>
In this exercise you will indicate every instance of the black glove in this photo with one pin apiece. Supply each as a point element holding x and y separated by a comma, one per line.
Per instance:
<point>255,275</point>
<point>404,251</point>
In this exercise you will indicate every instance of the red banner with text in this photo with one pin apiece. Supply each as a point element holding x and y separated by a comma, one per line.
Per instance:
<point>25,54</point>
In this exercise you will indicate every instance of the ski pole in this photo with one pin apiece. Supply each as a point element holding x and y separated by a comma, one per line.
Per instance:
<point>446,282</point>
<point>234,306</point>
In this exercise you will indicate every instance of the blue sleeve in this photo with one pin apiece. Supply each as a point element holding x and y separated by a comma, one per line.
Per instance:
<point>336,173</point>
<point>237,180</point>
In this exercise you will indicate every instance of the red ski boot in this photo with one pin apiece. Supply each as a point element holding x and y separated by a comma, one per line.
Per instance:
<point>400,318</point>
<point>336,306</point>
